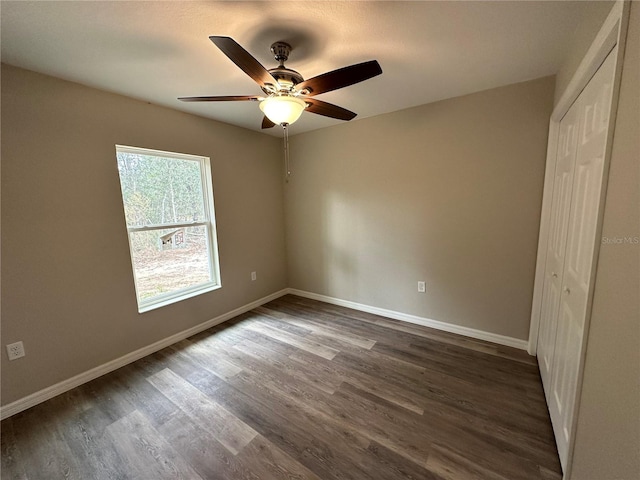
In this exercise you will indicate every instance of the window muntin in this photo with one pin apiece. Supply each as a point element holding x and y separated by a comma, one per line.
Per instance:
<point>168,204</point>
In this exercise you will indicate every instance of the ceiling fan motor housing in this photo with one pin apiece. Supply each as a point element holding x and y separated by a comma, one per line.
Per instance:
<point>286,77</point>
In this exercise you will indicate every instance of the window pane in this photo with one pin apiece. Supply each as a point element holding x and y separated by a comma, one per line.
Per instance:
<point>169,260</point>
<point>164,194</point>
<point>159,190</point>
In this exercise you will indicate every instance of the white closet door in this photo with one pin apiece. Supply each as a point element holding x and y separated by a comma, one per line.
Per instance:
<point>594,106</point>
<point>556,246</point>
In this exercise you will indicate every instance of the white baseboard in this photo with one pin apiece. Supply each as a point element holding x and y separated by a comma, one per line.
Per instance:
<point>425,322</point>
<point>66,385</point>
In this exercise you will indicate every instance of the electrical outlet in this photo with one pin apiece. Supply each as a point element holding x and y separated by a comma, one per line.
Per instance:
<point>253,276</point>
<point>422,287</point>
<point>15,350</point>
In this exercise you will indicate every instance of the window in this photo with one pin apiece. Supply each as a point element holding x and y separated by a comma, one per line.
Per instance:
<point>168,207</point>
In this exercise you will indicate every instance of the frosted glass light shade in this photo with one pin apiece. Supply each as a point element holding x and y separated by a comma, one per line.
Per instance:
<point>283,109</point>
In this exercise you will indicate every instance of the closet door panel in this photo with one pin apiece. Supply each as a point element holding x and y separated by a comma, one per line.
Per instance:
<point>565,370</point>
<point>594,105</point>
<point>560,209</point>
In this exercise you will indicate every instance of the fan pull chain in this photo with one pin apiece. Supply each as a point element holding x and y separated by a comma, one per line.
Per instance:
<point>286,152</point>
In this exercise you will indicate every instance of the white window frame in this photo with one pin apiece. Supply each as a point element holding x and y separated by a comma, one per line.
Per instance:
<point>208,222</point>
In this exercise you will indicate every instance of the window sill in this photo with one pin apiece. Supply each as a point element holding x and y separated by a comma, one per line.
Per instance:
<point>178,298</point>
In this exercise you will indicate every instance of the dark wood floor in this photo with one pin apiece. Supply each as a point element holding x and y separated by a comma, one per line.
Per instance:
<point>298,389</point>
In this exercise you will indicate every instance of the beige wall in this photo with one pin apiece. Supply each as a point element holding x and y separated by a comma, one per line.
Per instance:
<point>67,286</point>
<point>607,442</point>
<point>593,15</point>
<point>448,193</point>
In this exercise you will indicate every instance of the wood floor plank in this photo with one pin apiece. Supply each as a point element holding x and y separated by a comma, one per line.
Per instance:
<point>327,409</point>
<point>298,342</point>
<point>43,448</point>
<point>96,451</point>
<point>270,462</point>
<point>228,429</point>
<point>461,415</point>
<point>451,466</point>
<point>208,457</point>
<point>298,389</point>
<point>547,474</point>
<point>146,452</point>
<point>394,465</point>
<point>237,355</point>
<point>378,386</point>
<point>438,357</point>
<point>339,440</point>
<point>328,459</point>
<point>434,386</point>
<point>319,328</point>
<point>338,312</point>
<point>139,392</point>
<point>351,415</point>
<point>107,393</point>
<point>436,429</point>
<point>209,361</point>
<point>286,366</point>
<point>12,464</point>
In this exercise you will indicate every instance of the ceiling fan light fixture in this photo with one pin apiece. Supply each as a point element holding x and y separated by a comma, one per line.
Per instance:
<point>283,109</point>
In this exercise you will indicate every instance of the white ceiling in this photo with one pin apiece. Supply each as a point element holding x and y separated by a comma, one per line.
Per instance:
<point>158,51</point>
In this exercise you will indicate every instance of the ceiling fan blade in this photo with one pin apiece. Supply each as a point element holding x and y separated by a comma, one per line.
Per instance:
<point>232,98</point>
<point>328,110</point>
<point>243,59</point>
<point>343,77</point>
<point>266,123</point>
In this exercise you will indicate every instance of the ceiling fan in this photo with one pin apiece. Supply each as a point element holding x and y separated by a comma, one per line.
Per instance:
<point>288,94</point>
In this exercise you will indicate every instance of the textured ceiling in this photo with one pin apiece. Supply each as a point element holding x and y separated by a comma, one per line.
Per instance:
<point>158,51</point>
